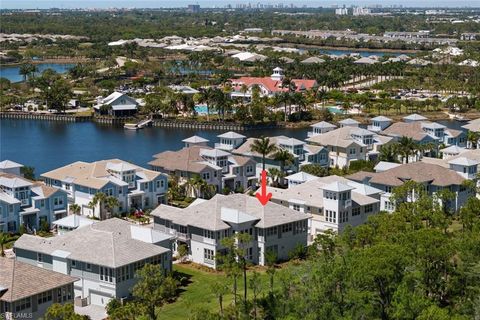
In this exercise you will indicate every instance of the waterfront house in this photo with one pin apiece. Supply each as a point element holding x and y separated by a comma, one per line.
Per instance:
<point>303,154</point>
<point>229,141</point>
<point>116,104</point>
<point>349,123</point>
<point>425,132</point>
<point>195,141</point>
<point>28,203</point>
<point>349,143</point>
<point>134,187</point>
<point>27,291</point>
<point>321,127</point>
<point>8,166</point>
<point>202,227</point>
<point>104,256</point>
<point>215,166</point>
<point>333,202</point>
<point>433,176</point>
<point>268,86</point>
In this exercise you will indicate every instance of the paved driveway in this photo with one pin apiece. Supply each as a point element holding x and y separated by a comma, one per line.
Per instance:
<point>94,312</point>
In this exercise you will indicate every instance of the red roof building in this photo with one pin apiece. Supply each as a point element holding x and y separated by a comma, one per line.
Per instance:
<point>268,86</point>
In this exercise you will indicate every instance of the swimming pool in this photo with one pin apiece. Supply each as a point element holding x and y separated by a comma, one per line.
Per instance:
<point>202,110</point>
<point>336,110</point>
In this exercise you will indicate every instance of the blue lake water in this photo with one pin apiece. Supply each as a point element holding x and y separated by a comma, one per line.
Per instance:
<point>48,145</point>
<point>12,72</point>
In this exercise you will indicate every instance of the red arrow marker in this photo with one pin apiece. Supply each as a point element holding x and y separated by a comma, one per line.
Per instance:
<point>264,197</point>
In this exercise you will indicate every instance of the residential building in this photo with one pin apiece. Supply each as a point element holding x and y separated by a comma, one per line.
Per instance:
<point>268,86</point>
<point>202,227</point>
<point>424,132</point>
<point>8,166</point>
<point>216,167</point>
<point>134,187</point>
<point>333,202</point>
<point>299,178</point>
<point>470,36</point>
<point>451,151</point>
<point>195,141</point>
<point>116,104</point>
<point>104,256</point>
<point>379,123</point>
<point>302,153</point>
<point>71,222</point>
<point>321,127</point>
<point>433,176</point>
<point>26,291</point>
<point>349,122</point>
<point>229,141</point>
<point>349,143</point>
<point>28,203</point>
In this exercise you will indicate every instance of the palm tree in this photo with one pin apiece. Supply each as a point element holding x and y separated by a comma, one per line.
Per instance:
<point>389,153</point>
<point>472,139</point>
<point>406,147</point>
<point>75,208</point>
<point>264,147</point>
<point>99,198</point>
<point>285,158</point>
<point>3,242</point>
<point>110,204</point>
<point>206,96</point>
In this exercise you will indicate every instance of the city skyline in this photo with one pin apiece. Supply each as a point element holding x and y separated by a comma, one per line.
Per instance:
<point>69,4</point>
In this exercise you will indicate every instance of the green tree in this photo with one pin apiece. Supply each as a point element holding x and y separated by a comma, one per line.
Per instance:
<point>63,312</point>
<point>153,288</point>
<point>264,147</point>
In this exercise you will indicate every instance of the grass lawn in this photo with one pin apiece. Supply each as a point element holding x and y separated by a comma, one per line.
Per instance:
<point>198,294</point>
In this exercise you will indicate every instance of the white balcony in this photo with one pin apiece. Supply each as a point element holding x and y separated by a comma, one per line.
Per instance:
<point>221,146</point>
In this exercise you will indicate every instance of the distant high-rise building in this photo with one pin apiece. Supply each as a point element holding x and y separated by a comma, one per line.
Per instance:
<point>341,11</point>
<point>359,11</point>
<point>194,8</point>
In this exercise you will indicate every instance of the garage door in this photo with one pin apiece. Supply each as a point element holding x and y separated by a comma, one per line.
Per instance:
<point>99,299</point>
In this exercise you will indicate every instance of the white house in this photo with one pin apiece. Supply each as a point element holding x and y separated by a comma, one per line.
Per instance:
<point>8,166</point>
<point>333,202</point>
<point>433,176</point>
<point>28,290</point>
<point>230,140</point>
<point>195,141</point>
<point>117,104</point>
<point>104,256</point>
<point>379,123</point>
<point>203,226</point>
<point>299,178</point>
<point>321,127</point>
<point>134,187</point>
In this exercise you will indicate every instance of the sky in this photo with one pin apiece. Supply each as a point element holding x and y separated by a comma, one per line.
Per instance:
<point>66,4</point>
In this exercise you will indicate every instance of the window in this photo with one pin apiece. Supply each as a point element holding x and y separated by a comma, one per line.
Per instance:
<point>39,257</point>
<point>57,201</point>
<point>67,186</point>
<point>44,297</point>
<point>355,211</point>
<point>343,216</point>
<point>88,267</point>
<point>352,151</point>
<point>209,234</point>
<point>208,256</point>
<point>206,176</point>
<point>73,263</point>
<point>42,203</point>
<point>123,273</point>
<point>106,274</point>
<point>388,189</point>
<point>109,192</point>
<point>23,304</point>
<point>369,208</point>
<point>330,216</point>
<point>296,207</point>
<point>249,169</point>
<point>271,231</point>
